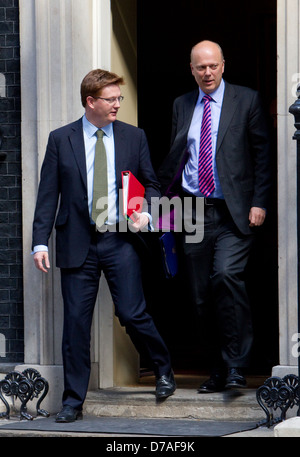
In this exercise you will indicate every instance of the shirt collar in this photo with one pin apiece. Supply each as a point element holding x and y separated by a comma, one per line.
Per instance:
<point>217,95</point>
<point>90,129</point>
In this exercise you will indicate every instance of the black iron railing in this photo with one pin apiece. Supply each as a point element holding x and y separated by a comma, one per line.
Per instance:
<point>24,386</point>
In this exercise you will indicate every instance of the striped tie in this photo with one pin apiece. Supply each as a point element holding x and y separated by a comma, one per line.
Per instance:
<point>205,170</point>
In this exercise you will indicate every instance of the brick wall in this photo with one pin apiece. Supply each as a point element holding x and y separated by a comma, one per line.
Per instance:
<point>11,293</point>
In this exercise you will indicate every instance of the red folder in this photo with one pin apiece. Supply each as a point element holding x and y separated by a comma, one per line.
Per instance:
<point>133,194</point>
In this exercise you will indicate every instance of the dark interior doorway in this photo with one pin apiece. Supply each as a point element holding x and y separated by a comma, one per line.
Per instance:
<point>247,33</point>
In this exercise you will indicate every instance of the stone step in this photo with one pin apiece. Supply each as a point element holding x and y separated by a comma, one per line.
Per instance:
<point>186,403</point>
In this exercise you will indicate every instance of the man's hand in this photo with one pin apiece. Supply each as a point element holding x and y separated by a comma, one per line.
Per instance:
<point>41,260</point>
<point>256,216</point>
<point>139,221</point>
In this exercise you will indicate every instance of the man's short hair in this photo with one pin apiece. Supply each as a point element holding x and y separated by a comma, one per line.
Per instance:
<point>93,83</point>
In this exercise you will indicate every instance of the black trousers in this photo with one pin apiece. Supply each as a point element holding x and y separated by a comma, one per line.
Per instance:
<point>216,275</point>
<point>114,254</point>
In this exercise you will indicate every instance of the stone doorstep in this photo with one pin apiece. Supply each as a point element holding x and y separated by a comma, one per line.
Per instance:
<point>186,403</point>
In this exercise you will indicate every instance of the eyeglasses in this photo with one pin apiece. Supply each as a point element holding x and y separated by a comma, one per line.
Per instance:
<point>113,100</point>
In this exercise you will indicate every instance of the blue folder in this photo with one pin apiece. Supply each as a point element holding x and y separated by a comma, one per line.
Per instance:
<point>169,255</point>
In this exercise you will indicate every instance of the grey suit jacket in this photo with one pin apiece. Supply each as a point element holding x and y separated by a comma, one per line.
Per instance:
<point>242,154</point>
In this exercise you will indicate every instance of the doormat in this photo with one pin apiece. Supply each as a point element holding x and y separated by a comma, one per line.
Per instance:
<point>132,426</point>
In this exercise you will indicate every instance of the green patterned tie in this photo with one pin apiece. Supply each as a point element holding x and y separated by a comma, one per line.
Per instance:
<point>100,177</point>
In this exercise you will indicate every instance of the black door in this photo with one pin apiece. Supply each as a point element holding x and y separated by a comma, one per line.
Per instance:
<point>246,31</point>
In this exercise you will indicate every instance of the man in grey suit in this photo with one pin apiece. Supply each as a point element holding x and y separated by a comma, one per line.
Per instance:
<point>228,167</point>
<point>84,246</point>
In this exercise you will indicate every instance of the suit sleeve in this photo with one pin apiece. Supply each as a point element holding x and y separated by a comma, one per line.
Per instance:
<point>48,195</point>
<point>146,172</point>
<point>170,171</point>
<point>174,122</point>
<point>259,138</point>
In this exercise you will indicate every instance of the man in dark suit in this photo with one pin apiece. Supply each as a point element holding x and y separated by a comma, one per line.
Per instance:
<point>227,166</point>
<point>91,237</point>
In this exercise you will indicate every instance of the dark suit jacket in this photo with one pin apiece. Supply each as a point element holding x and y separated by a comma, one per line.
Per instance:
<point>242,155</point>
<point>63,186</point>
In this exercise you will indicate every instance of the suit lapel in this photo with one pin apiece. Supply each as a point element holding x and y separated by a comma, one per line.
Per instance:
<point>189,109</point>
<point>77,144</point>
<point>229,106</point>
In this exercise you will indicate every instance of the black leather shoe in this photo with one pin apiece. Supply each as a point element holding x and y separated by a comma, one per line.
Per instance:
<point>216,383</point>
<point>68,414</point>
<point>165,386</point>
<point>235,379</point>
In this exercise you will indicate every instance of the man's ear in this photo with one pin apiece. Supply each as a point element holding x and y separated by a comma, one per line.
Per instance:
<point>90,101</point>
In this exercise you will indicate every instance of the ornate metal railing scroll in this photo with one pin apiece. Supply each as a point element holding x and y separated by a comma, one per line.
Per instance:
<point>24,386</point>
<point>278,394</point>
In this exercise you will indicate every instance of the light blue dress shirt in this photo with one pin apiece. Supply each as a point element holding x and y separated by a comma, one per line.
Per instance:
<point>90,139</point>
<point>190,181</point>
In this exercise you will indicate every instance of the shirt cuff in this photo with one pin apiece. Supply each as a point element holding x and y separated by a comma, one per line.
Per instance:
<point>150,226</point>
<point>40,248</point>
